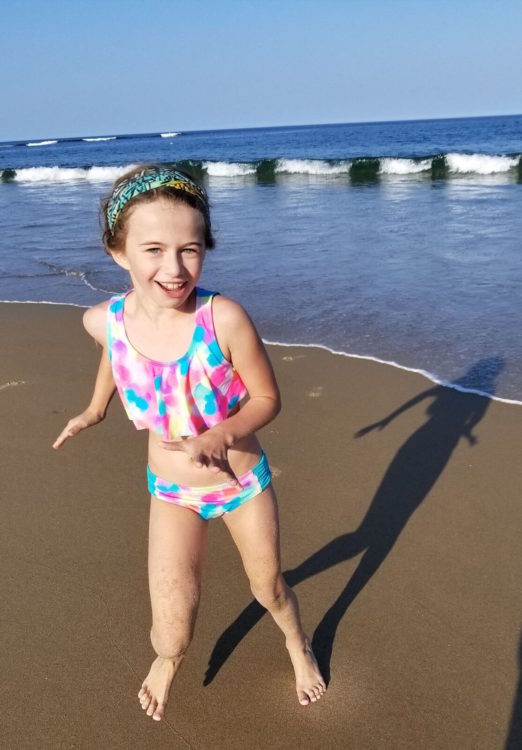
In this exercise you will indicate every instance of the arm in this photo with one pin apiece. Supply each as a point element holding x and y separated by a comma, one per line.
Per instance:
<point>248,355</point>
<point>241,344</point>
<point>104,387</point>
<point>408,405</point>
<point>93,321</point>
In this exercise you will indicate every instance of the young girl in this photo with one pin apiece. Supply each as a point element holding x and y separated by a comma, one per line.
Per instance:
<point>182,358</point>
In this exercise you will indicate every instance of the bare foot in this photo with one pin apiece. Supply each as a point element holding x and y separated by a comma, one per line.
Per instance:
<point>155,689</point>
<point>309,681</point>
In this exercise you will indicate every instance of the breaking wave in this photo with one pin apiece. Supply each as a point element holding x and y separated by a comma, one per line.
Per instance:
<point>228,169</point>
<point>367,169</point>
<point>480,163</point>
<point>40,143</point>
<point>65,174</point>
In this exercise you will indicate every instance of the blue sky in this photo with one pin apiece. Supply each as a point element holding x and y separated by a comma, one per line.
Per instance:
<point>86,67</point>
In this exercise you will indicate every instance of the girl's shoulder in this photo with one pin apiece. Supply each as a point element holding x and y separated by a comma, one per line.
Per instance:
<point>231,323</point>
<point>95,322</point>
<point>227,313</point>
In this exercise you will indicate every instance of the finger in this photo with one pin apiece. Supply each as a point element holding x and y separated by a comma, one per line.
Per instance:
<point>224,468</point>
<point>221,466</point>
<point>62,437</point>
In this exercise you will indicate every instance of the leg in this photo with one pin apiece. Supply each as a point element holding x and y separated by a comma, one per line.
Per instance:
<point>177,544</point>
<point>254,527</point>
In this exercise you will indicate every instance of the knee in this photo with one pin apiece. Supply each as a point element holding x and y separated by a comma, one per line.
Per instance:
<point>271,594</point>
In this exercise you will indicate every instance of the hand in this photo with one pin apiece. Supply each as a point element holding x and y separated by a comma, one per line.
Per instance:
<point>209,449</point>
<point>377,426</point>
<point>76,424</point>
<point>472,439</point>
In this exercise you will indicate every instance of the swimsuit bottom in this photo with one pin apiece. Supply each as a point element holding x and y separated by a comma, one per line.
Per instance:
<point>213,501</point>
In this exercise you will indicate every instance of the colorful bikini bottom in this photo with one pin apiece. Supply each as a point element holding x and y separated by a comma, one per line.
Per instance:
<point>213,501</point>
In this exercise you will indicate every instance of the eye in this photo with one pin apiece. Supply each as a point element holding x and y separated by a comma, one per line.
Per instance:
<point>153,250</point>
<point>189,250</point>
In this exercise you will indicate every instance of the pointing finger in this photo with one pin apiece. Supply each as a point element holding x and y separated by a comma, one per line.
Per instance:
<point>62,437</point>
<point>225,469</point>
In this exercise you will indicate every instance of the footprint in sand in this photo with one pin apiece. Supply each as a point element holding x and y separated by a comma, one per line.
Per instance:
<point>316,392</point>
<point>275,471</point>
<point>10,383</point>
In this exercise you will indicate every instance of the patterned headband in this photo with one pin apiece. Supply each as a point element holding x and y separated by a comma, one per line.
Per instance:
<point>148,179</point>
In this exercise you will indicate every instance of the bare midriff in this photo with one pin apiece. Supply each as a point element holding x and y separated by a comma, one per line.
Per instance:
<point>177,466</point>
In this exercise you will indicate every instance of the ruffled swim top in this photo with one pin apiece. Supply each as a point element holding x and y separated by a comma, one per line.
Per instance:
<point>183,397</point>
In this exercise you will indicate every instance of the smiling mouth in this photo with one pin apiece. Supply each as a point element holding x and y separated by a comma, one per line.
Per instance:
<point>170,286</point>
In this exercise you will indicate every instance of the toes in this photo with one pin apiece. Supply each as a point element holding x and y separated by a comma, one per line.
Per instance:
<point>158,713</point>
<point>152,707</point>
<point>311,694</point>
<point>145,700</point>
<point>303,698</point>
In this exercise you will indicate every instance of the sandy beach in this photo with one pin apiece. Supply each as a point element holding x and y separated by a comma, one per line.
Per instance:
<point>402,543</point>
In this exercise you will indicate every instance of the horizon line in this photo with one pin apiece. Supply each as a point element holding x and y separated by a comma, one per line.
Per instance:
<point>256,127</point>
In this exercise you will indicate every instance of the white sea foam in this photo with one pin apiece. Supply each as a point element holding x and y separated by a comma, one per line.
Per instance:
<point>480,163</point>
<point>104,138</point>
<point>311,166</point>
<point>424,373</point>
<point>64,174</point>
<point>107,174</point>
<point>169,135</point>
<point>228,169</point>
<point>39,302</point>
<point>41,143</point>
<point>404,166</point>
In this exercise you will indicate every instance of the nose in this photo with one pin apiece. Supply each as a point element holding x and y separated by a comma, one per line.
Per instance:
<point>173,263</point>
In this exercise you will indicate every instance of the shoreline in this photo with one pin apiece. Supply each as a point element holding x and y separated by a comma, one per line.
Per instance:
<point>365,357</point>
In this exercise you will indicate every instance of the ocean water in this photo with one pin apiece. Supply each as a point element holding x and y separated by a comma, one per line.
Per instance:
<point>396,241</point>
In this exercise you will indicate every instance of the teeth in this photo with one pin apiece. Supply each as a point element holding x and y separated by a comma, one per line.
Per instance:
<point>171,286</point>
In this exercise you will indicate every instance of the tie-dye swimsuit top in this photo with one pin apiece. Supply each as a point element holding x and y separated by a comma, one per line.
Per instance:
<point>183,397</point>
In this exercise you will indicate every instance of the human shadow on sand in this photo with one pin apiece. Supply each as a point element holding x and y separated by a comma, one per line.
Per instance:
<point>411,475</point>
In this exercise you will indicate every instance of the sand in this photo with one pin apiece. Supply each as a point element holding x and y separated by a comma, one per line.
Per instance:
<point>402,544</point>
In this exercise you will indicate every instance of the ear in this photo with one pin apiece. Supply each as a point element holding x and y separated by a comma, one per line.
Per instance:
<point>120,258</point>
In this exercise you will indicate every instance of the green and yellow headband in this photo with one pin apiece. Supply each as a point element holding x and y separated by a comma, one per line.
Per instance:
<point>148,179</point>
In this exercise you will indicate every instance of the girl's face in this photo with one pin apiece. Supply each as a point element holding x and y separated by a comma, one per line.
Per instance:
<point>164,251</point>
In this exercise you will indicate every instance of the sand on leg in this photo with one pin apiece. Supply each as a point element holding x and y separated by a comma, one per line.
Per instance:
<point>177,545</point>
<point>254,527</point>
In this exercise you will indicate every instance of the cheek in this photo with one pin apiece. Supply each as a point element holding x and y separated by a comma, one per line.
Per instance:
<point>194,263</point>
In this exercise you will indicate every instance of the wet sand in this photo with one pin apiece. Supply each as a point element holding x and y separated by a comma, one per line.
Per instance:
<point>402,543</point>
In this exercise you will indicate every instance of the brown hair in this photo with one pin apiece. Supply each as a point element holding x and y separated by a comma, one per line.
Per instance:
<point>114,240</point>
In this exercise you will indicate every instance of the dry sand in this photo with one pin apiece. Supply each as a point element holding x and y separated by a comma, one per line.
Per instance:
<point>403,546</point>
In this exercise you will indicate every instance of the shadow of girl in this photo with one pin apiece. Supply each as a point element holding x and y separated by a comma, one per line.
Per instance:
<point>411,475</point>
